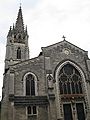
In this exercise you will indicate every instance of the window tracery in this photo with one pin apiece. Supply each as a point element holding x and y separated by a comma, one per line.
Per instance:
<point>70,80</point>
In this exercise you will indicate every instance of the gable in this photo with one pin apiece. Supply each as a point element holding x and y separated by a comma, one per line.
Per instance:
<point>64,47</point>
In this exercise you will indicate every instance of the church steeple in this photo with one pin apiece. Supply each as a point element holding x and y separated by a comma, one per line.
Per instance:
<point>17,42</point>
<point>19,26</point>
<point>17,31</point>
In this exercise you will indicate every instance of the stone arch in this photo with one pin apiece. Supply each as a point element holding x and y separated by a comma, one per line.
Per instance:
<point>74,65</point>
<point>84,86</point>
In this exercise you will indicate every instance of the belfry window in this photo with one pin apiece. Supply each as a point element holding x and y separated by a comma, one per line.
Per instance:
<point>18,53</point>
<point>70,81</point>
<point>30,85</point>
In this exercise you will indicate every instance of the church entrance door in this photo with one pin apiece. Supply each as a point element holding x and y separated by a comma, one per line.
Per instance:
<point>75,112</point>
<point>67,112</point>
<point>80,111</point>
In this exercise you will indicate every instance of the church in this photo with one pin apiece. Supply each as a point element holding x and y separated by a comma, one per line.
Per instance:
<point>55,85</point>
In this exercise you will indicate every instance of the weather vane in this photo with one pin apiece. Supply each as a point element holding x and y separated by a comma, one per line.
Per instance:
<point>63,37</point>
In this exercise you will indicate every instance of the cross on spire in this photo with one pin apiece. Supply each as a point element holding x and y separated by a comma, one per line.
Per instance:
<point>63,37</point>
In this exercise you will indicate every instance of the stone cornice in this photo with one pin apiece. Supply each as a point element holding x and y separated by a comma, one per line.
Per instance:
<point>28,100</point>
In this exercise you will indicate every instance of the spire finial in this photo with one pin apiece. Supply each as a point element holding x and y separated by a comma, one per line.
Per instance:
<point>63,37</point>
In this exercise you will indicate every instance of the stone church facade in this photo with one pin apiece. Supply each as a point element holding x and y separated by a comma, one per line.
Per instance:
<point>53,86</point>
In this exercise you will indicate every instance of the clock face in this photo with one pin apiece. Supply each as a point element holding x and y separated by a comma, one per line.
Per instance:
<point>66,51</point>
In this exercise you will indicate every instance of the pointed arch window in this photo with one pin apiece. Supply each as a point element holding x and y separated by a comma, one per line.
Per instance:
<point>18,53</point>
<point>30,85</point>
<point>70,81</point>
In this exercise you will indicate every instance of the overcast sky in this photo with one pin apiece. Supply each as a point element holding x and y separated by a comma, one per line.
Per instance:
<point>47,22</point>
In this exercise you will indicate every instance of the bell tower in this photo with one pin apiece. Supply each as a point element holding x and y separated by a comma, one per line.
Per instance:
<point>17,49</point>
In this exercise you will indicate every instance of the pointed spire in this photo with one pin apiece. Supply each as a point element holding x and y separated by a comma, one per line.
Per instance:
<point>17,31</point>
<point>19,27</point>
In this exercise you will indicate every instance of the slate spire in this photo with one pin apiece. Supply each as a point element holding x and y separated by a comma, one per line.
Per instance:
<point>19,26</point>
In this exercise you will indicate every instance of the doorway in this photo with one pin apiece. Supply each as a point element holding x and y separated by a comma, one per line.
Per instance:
<point>76,113</point>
